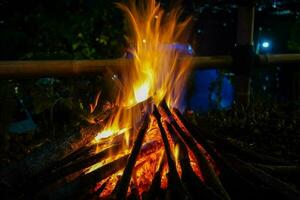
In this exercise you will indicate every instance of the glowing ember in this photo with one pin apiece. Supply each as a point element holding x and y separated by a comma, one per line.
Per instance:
<point>108,133</point>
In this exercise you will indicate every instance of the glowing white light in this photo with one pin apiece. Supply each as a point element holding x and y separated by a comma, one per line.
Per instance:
<point>266,44</point>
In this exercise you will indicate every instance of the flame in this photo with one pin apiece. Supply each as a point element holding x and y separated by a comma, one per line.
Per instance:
<point>176,153</point>
<point>94,105</point>
<point>158,71</point>
<point>141,93</point>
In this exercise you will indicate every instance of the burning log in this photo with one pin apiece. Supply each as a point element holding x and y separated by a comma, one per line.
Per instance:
<point>233,171</point>
<point>76,166</point>
<point>122,186</point>
<point>189,178</point>
<point>155,191</point>
<point>224,144</point>
<point>209,174</point>
<point>83,183</point>
<point>176,188</point>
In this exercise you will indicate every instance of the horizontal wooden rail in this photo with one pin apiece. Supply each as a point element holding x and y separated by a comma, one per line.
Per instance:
<point>20,69</point>
<point>277,59</point>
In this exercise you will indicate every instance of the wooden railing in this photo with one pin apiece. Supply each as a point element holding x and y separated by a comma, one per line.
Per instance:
<point>21,69</point>
<point>241,63</point>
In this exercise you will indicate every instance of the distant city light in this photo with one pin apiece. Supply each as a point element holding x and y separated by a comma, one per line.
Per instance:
<point>265,44</point>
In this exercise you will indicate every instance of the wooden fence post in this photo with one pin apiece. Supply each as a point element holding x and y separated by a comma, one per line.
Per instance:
<point>243,55</point>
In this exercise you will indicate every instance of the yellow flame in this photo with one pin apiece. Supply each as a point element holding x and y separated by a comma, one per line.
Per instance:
<point>157,70</point>
<point>141,92</point>
<point>176,152</point>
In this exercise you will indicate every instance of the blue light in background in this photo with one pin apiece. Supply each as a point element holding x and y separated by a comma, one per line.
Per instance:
<point>265,44</point>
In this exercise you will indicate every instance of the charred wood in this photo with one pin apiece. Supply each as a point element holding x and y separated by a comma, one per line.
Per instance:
<point>122,186</point>
<point>282,189</point>
<point>226,145</point>
<point>195,186</point>
<point>175,186</point>
<point>209,174</point>
<point>16,176</point>
<point>83,183</point>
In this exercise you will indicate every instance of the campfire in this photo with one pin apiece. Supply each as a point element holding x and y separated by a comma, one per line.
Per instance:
<point>145,150</point>
<point>143,147</point>
<point>148,150</point>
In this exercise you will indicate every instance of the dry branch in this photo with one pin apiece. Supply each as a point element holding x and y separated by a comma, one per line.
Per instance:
<point>195,186</point>
<point>277,186</point>
<point>209,174</point>
<point>221,143</point>
<point>85,182</point>
<point>175,185</point>
<point>43,158</point>
<point>122,186</point>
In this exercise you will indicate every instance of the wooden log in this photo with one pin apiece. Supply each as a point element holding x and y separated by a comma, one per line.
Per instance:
<point>94,195</point>
<point>177,190</point>
<point>134,194</point>
<point>282,189</point>
<point>122,187</point>
<point>195,186</point>
<point>288,170</point>
<point>203,136</point>
<point>75,166</point>
<point>17,174</point>
<point>231,175</point>
<point>289,173</point>
<point>235,183</point>
<point>82,184</point>
<point>73,157</point>
<point>155,191</point>
<point>209,174</point>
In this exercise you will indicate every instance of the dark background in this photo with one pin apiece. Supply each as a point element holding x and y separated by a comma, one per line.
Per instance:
<point>94,29</point>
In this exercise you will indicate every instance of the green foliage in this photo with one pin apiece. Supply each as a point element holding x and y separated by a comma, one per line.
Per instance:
<point>294,42</point>
<point>60,30</point>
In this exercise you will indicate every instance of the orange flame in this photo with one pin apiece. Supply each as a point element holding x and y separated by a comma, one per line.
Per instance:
<point>158,72</point>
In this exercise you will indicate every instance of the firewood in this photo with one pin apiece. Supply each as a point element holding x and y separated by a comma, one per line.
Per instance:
<point>209,174</point>
<point>175,186</point>
<point>76,166</point>
<point>18,173</point>
<point>83,183</point>
<point>277,186</point>
<point>287,170</point>
<point>226,145</point>
<point>196,187</point>
<point>121,188</point>
<point>134,194</point>
<point>238,186</point>
<point>155,191</point>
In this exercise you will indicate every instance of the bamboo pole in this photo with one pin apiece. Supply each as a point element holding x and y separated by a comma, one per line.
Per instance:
<point>48,68</point>
<point>244,60</point>
<point>277,59</point>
